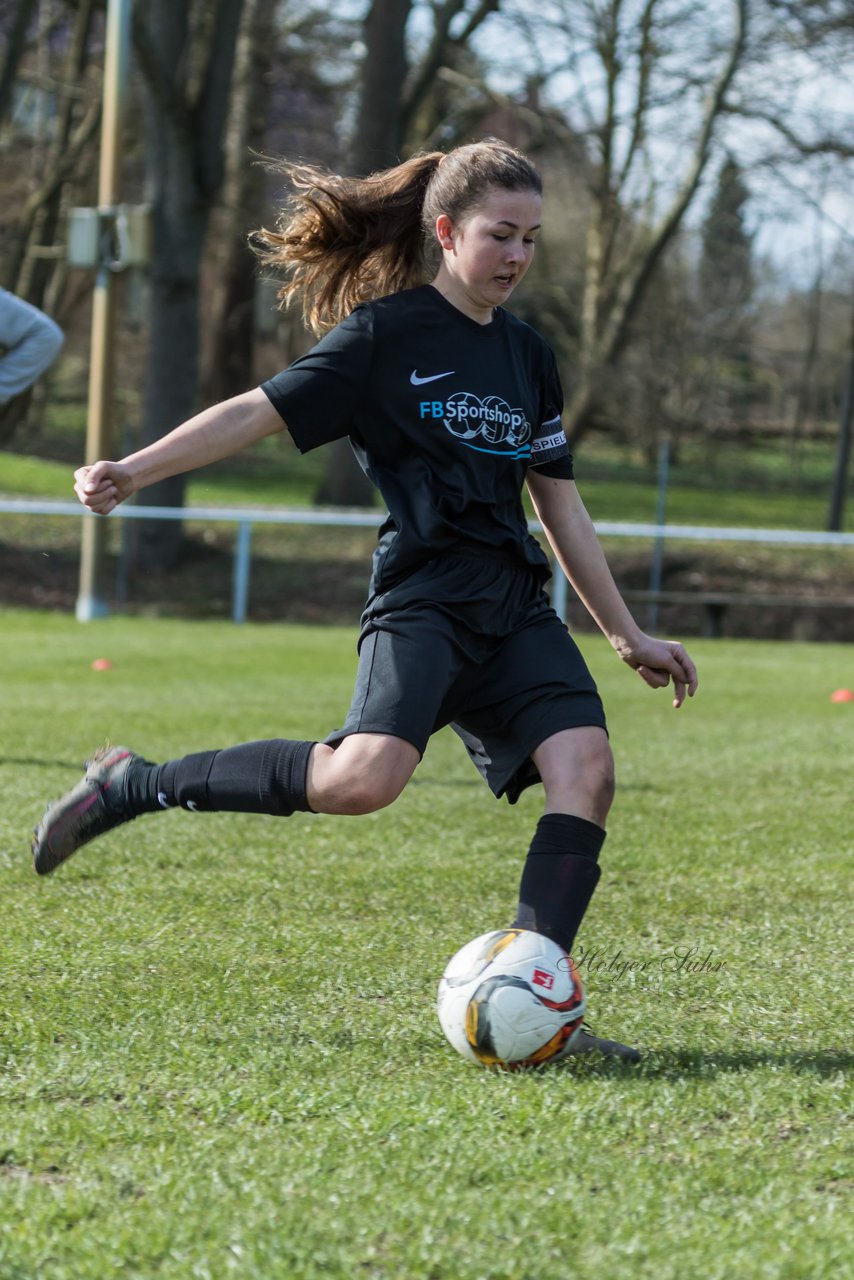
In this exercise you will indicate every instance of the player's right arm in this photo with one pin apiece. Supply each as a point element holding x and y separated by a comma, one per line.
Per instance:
<point>215,433</point>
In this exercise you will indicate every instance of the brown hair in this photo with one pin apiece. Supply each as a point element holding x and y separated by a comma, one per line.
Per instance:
<point>341,241</point>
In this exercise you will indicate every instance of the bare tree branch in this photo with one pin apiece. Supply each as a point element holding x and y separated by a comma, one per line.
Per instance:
<point>480,14</point>
<point>40,216</point>
<point>828,145</point>
<point>640,270</point>
<point>437,52</point>
<point>543,126</point>
<point>774,164</point>
<point>612,294</point>
<point>63,166</point>
<point>639,116</point>
<point>432,60</point>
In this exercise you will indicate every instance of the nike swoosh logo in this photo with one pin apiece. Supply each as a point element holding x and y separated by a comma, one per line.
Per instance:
<point>419,382</point>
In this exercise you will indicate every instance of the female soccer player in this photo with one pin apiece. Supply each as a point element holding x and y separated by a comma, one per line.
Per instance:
<point>451,404</point>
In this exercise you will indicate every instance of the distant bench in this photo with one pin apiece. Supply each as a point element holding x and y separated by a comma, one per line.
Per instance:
<point>716,603</point>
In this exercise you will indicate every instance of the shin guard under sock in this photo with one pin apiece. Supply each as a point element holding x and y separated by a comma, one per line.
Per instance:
<point>559,877</point>
<point>255,777</point>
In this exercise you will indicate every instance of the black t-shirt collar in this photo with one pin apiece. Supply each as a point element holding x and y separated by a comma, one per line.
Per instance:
<point>496,323</point>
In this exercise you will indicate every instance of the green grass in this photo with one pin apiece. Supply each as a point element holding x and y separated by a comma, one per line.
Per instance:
<point>758,486</point>
<point>271,476</point>
<point>25,477</point>
<point>220,1055</point>
<point>635,500</point>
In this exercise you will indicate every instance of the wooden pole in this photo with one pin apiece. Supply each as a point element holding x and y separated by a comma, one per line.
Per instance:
<point>91,599</point>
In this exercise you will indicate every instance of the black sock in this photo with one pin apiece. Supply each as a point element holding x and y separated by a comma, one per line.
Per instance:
<point>255,777</point>
<point>559,877</point>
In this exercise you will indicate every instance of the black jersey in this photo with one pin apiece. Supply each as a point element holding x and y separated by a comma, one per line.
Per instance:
<point>444,414</point>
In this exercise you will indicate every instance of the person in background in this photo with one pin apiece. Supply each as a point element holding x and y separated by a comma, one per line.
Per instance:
<point>29,343</point>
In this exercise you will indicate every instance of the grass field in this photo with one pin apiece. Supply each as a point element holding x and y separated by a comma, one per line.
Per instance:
<point>220,1054</point>
<point>760,485</point>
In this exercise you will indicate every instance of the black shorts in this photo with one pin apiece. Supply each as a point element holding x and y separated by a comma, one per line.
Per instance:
<point>475,644</point>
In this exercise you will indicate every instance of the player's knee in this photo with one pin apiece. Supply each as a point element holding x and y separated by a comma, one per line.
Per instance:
<point>603,776</point>
<point>585,778</point>
<point>594,778</point>
<point>363,795</point>
<point>360,776</point>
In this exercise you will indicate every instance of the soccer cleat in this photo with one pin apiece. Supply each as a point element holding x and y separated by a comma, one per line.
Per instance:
<point>93,807</point>
<point>584,1041</point>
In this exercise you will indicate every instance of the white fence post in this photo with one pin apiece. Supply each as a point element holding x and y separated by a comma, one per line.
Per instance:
<point>242,561</point>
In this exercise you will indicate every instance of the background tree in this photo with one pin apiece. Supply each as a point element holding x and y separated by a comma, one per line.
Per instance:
<point>379,136</point>
<point>393,87</point>
<point>725,280</point>
<point>75,118</point>
<point>229,347</point>
<point>659,390</point>
<point>293,65</point>
<point>726,263</point>
<point>640,99</point>
<point>633,109</point>
<point>49,116</point>
<point>625,68</point>
<point>16,17</point>
<point>186,51</point>
<point>839,485</point>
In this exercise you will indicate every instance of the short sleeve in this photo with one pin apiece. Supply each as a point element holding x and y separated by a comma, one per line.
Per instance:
<point>549,448</point>
<point>319,395</point>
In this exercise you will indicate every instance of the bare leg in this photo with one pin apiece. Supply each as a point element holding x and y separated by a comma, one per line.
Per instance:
<point>561,870</point>
<point>577,769</point>
<point>362,773</point>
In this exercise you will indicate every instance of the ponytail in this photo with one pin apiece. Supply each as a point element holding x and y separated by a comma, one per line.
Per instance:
<point>341,241</point>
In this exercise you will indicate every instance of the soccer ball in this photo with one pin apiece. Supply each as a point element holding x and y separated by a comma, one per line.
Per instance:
<point>511,998</point>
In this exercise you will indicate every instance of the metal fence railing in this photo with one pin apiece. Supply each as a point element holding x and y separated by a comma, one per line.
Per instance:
<point>246,517</point>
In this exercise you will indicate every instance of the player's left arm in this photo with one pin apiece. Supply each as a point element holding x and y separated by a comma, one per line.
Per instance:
<point>573,539</point>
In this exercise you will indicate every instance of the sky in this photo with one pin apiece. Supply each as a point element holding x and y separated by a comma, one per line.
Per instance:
<point>800,213</point>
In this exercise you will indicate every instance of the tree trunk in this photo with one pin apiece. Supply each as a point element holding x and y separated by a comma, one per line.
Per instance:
<point>390,97</point>
<point>843,450</point>
<point>379,138</point>
<point>173,363</point>
<point>376,145</point>
<point>228,358</point>
<point>614,292</point>
<point>16,46</point>
<point>184,129</point>
<point>805,384</point>
<point>180,221</point>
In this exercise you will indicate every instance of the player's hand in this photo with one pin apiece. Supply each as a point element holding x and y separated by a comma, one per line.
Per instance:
<point>660,661</point>
<point>102,486</point>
